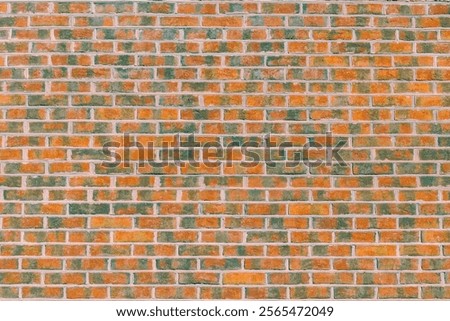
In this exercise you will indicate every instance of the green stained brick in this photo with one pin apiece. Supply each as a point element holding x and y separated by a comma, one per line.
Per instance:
<point>89,208</point>
<point>168,60</point>
<point>436,264</point>
<point>55,222</point>
<point>28,195</point>
<point>94,100</point>
<point>43,237</point>
<point>225,264</point>
<point>157,278</point>
<point>185,100</point>
<point>132,100</point>
<point>303,292</point>
<point>184,128</point>
<point>49,181</point>
<point>403,208</point>
<point>235,7</point>
<point>388,34</point>
<point>329,9</point>
<point>409,35</point>
<point>344,236</point>
<point>445,22</point>
<point>51,73</point>
<point>25,278</point>
<point>214,33</point>
<point>169,73</point>
<point>222,237</point>
<point>405,9</point>
<point>133,208</point>
<point>282,168</point>
<point>435,292</point>
<point>10,208</point>
<point>367,278</point>
<point>269,237</point>
<point>343,224</point>
<point>187,182</point>
<point>296,21</point>
<point>9,293</point>
<point>194,278</point>
<point>7,22</point>
<point>320,250</point>
<point>434,154</point>
<point>88,154</point>
<point>48,128</point>
<point>247,34</point>
<point>97,278</point>
<point>360,48</point>
<point>416,168</point>
<point>33,209</point>
<point>373,169</point>
<point>266,46</point>
<point>143,264</point>
<point>428,181</point>
<point>407,222</point>
<point>108,34</point>
<point>359,22</point>
<point>199,86</point>
<point>11,181</point>
<point>176,264</point>
<point>257,74</point>
<point>96,21</point>
<point>169,237</point>
<point>66,34</point>
<point>256,20</point>
<point>198,250</point>
<point>151,8</point>
<point>188,222</point>
<point>47,101</point>
<point>270,294</point>
<point>354,293</point>
<point>125,73</point>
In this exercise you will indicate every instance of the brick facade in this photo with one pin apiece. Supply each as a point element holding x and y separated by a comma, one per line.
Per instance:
<point>75,76</point>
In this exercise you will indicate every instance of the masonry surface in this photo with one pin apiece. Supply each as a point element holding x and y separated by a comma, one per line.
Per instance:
<point>77,75</point>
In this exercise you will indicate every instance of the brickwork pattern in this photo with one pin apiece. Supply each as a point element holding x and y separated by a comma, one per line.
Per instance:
<point>77,75</point>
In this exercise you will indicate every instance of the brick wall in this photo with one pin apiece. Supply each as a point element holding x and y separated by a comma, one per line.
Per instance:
<point>75,76</point>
